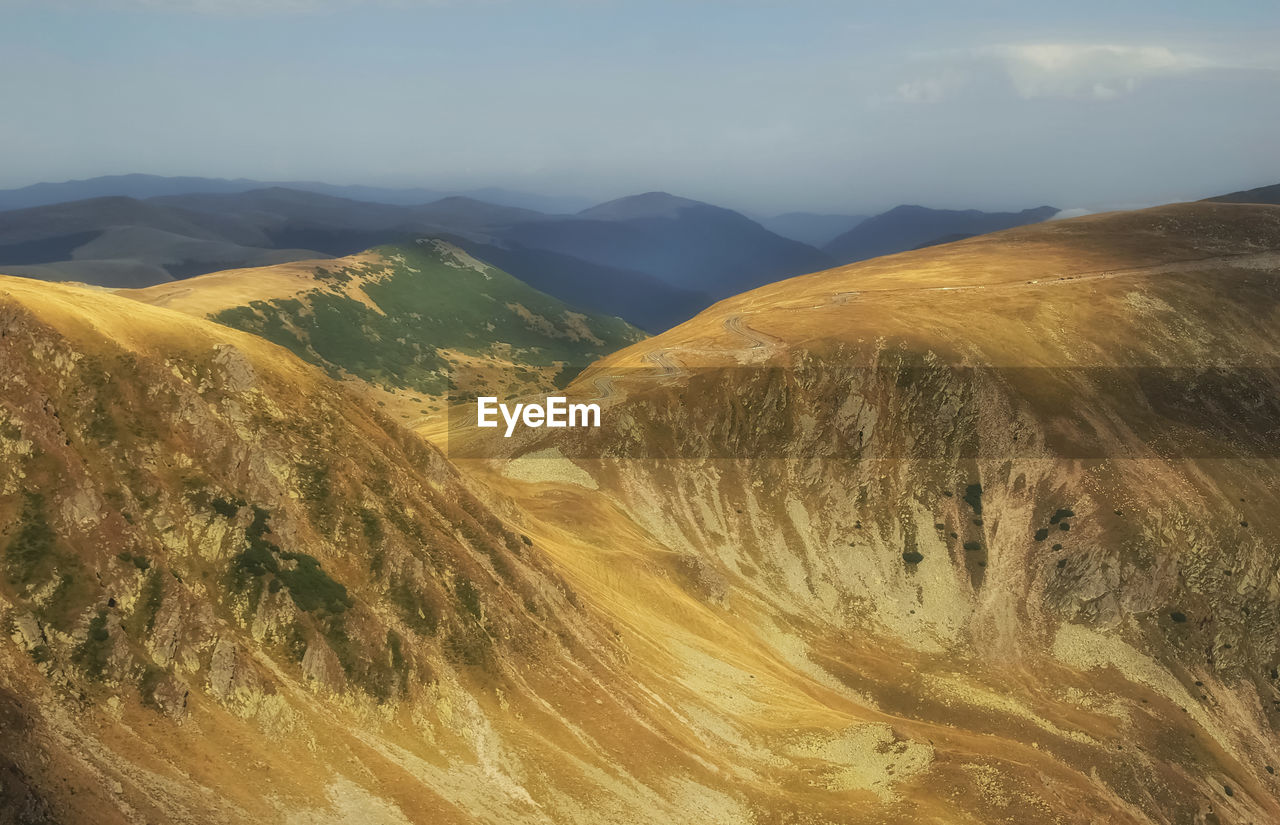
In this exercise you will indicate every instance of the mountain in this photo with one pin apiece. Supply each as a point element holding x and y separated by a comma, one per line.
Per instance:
<point>416,318</point>
<point>816,230</point>
<point>1263,194</point>
<point>977,533</point>
<point>654,259</point>
<point>233,591</point>
<point>342,227</point>
<point>643,300</point>
<point>152,186</point>
<point>910,227</point>
<point>687,244</point>
<point>1009,501</point>
<point>123,242</point>
<point>118,241</point>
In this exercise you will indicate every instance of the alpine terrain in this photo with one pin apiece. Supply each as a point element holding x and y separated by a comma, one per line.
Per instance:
<point>979,533</point>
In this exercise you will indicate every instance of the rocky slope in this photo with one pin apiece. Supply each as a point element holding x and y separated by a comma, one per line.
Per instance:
<point>956,488</point>
<point>233,591</point>
<point>906,541</point>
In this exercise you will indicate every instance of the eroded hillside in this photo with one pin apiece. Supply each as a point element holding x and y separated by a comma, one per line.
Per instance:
<point>912,540</point>
<point>955,488</point>
<point>235,592</point>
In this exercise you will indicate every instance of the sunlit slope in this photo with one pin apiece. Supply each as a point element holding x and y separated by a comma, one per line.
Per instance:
<point>1045,638</point>
<point>411,317</point>
<point>233,591</point>
<point>793,633</point>
<point>1000,293</point>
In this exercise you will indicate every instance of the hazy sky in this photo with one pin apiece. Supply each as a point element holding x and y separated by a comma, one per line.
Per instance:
<point>764,106</point>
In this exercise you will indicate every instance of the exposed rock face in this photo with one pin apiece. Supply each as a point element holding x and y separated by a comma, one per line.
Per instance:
<point>197,524</point>
<point>1052,553</point>
<point>873,588</point>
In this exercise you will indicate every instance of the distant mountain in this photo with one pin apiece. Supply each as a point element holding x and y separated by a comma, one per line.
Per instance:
<point>153,186</point>
<point>687,244</point>
<point>649,303</point>
<point>653,259</point>
<point>1263,194</point>
<point>811,228</point>
<point>952,238</point>
<point>124,242</point>
<point>637,207</point>
<point>911,227</point>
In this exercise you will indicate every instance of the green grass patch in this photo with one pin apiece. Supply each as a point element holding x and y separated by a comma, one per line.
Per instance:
<point>311,588</point>
<point>427,303</point>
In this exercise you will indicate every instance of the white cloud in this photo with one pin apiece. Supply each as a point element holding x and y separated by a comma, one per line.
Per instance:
<point>1048,70</point>
<point>1102,72</point>
<point>932,89</point>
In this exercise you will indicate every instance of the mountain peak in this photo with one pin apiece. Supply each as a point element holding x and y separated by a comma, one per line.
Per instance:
<point>645,205</point>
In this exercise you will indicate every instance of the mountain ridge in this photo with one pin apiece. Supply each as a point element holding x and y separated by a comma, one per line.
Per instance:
<point>809,634</point>
<point>909,226</point>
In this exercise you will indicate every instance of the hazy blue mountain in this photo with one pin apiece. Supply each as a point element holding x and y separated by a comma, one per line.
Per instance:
<point>812,228</point>
<point>645,301</point>
<point>119,241</point>
<point>153,186</point>
<point>688,244</point>
<point>653,259</point>
<point>910,227</point>
<point>1263,194</point>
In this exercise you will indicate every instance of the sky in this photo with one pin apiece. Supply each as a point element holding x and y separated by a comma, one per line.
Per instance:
<point>765,106</point>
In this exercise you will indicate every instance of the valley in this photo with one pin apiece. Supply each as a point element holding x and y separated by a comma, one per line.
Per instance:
<point>885,543</point>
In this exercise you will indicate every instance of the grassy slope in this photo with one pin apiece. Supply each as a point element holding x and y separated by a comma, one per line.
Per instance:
<point>408,317</point>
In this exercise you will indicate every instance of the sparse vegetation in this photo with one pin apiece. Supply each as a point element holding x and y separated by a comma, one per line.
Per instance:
<point>468,597</point>
<point>148,606</point>
<point>29,556</point>
<point>973,497</point>
<point>371,524</point>
<point>93,654</point>
<point>415,611</point>
<point>310,587</point>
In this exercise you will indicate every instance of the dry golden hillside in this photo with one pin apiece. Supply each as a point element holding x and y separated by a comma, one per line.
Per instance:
<point>808,572</point>
<point>1045,567</point>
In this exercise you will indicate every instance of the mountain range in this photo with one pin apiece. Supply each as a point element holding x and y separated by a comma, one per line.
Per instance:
<point>153,186</point>
<point>812,228</point>
<point>1262,194</point>
<point>980,532</point>
<point>654,259</point>
<point>911,227</point>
